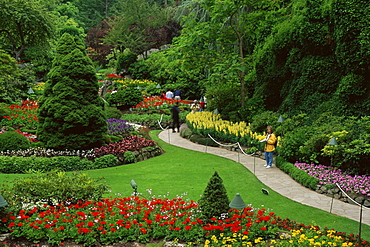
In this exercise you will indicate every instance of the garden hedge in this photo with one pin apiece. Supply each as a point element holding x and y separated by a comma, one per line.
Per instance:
<point>299,175</point>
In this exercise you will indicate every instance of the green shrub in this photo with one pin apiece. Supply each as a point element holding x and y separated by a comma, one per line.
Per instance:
<point>214,201</point>
<point>33,164</point>
<point>112,112</point>
<point>5,164</point>
<point>66,163</point>
<point>105,161</point>
<point>4,110</point>
<point>203,140</point>
<point>185,132</point>
<point>125,59</point>
<point>13,141</point>
<point>112,138</point>
<point>262,120</point>
<point>125,96</point>
<point>129,157</point>
<point>70,111</point>
<point>54,188</point>
<point>299,175</point>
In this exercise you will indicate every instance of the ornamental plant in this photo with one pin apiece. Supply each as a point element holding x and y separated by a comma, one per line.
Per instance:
<point>125,96</point>
<point>125,82</point>
<point>71,111</point>
<point>214,201</point>
<point>24,115</point>
<point>156,102</point>
<point>205,123</point>
<point>53,188</point>
<point>330,176</point>
<point>126,219</point>
<point>118,127</point>
<point>129,143</point>
<point>13,141</point>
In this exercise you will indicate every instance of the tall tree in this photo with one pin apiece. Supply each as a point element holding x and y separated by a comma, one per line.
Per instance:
<point>24,23</point>
<point>135,25</point>
<point>220,39</point>
<point>70,113</point>
<point>91,12</point>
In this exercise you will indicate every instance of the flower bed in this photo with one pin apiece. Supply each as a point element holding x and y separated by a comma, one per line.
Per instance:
<point>205,123</point>
<point>329,176</point>
<point>156,102</point>
<point>136,219</point>
<point>24,115</point>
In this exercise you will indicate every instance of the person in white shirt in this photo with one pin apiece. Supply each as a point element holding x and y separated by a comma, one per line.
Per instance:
<point>169,94</point>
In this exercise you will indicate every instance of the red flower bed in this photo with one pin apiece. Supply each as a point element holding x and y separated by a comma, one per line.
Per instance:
<point>156,101</point>
<point>136,219</point>
<point>24,115</point>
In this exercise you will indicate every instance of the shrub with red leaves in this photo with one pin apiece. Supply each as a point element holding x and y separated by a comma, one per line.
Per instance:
<point>130,143</point>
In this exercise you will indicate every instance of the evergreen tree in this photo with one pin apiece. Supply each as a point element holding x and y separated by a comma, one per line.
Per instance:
<point>214,201</point>
<point>70,112</point>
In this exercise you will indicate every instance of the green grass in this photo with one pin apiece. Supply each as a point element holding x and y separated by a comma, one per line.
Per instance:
<point>180,171</point>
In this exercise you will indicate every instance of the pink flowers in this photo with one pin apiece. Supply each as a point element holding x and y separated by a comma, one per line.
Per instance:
<point>328,175</point>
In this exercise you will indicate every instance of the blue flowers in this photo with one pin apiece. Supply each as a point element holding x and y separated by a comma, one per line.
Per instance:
<point>118,127</point>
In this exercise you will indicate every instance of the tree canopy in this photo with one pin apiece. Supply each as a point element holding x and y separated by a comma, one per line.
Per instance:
<point>24,23</point>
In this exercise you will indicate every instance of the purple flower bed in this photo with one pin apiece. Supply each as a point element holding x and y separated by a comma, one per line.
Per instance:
<point>118,126</point>
<point>329,175</point>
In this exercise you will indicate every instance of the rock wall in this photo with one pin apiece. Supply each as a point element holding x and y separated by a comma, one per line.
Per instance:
<point>337,194</point>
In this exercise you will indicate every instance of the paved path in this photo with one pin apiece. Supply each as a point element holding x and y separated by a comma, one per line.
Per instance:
<point>276,179</point>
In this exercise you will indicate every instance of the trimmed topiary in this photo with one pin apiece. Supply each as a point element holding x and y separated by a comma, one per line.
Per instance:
<point>214,201</point>
<point>71,112</point>
<point>13,141</point>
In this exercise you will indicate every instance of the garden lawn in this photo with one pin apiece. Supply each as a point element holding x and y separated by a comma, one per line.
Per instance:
<point>185,173</point>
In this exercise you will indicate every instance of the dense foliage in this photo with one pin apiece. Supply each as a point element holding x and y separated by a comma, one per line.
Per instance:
<point>13,141</point>
<point>125,96</point>
<point>294,56</point>
<point>70,113</point>
<point>53,188</point>
<point>24,165</point>
<point>299,139</point>
<point>214,201</point>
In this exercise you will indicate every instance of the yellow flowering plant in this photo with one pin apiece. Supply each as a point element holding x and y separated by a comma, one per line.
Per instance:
<point>204,123</point>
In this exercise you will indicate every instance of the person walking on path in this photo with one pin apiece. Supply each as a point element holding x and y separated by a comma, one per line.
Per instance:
<point>177,94</point>
<point>269,146</point>
<point>169,94</point>
<point>175,117</point>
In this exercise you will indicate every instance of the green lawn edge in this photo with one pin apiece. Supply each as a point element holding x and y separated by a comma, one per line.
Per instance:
<point>185,173</point>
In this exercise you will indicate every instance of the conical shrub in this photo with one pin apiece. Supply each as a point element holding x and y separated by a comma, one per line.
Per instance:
<point>214,201</point>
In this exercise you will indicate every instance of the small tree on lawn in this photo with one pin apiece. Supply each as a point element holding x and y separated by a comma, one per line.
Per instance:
<point>70,111</point>
<point>214,201</point>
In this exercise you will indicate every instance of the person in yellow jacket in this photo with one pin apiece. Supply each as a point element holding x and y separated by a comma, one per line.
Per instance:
<point>269,146</point>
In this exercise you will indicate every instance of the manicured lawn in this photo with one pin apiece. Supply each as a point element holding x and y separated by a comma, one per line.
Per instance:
<point>181,171</point>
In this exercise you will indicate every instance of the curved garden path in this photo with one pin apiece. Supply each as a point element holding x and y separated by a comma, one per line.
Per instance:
<point>276,180</point>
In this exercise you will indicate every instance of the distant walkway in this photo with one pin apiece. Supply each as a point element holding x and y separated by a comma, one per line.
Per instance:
<point>275,179</point>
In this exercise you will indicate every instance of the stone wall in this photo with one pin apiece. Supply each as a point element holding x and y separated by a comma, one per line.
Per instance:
<point>337,194</point>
